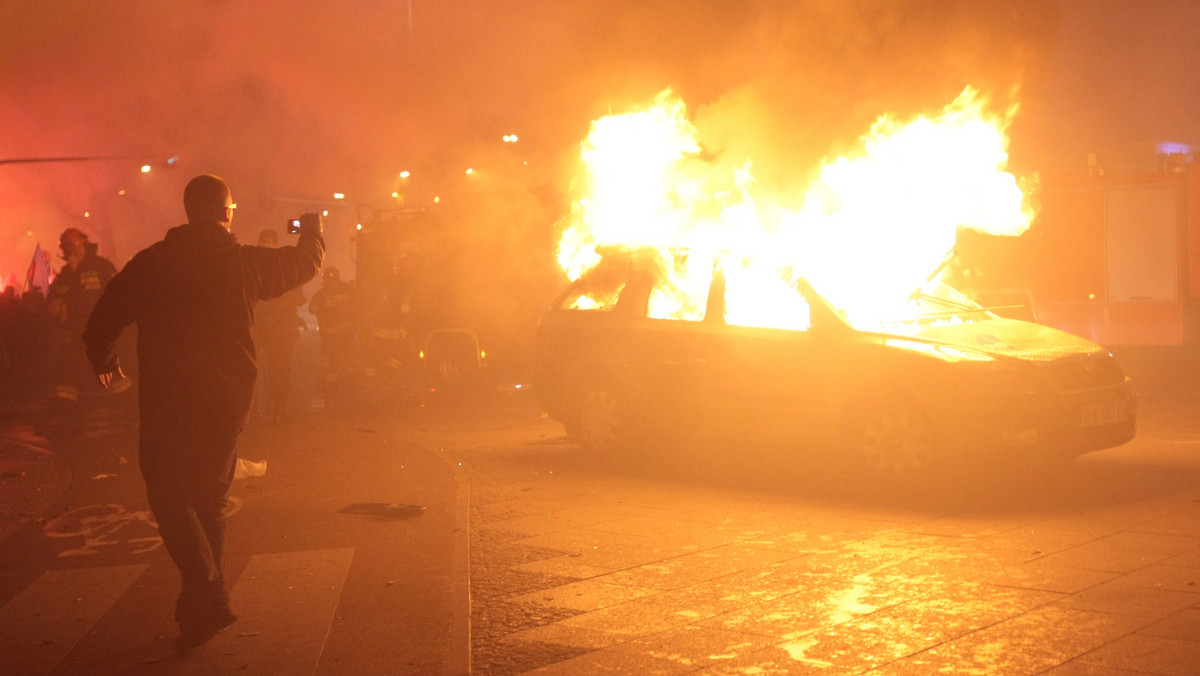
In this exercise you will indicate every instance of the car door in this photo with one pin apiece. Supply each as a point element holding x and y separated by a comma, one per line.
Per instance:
<point>793,382</point>
<point>685,372</point>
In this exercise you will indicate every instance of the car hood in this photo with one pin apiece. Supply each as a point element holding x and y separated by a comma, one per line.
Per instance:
<point>1002,337</point>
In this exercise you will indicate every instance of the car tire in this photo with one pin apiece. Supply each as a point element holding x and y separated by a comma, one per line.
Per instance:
<point>601,422</point>
<point>895,440</point>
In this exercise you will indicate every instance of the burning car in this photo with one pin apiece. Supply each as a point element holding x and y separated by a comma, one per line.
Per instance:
<point>703,299</point>
<point>950,379</point>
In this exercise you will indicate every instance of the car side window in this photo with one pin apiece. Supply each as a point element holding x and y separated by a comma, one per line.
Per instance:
<point>752,299</point>
<point>599,288</point>
<point>582,297</point>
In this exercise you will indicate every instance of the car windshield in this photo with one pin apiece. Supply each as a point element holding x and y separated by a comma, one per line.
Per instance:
<point>936,304</point>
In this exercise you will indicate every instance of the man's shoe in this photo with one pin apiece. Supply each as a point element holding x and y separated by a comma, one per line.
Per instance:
<point>198,630</point>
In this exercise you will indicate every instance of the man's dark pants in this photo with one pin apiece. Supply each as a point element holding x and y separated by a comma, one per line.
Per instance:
<point>188,470</point>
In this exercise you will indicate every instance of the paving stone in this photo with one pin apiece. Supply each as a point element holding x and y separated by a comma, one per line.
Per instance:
<point>583,595</point>
<point>776,661</point>
<point>634,618</point>
<point>557,633</point>
<point>1078,668</point>
<point>1154,543</point>
<point>1190,559</point>
<point>1182,522</point>
<point>1184,626</point>
<point>1026,644</point>
<point>696,645</point>
<point>1161,576</point>
<point>506,657</point>
<point>608,662</point>
<point>562,566</point>
<point>1113,597</point>
<point>1048,577</point>
<point>1097,556</point>
<point>1148,654</point>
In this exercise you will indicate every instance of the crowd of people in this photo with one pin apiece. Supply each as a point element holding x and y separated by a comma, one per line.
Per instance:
<point>26,346</point>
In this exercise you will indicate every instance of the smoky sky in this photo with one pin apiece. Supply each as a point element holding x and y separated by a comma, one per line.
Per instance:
<point>291,101</point>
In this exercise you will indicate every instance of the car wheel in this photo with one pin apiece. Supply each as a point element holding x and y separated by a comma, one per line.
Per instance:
<point>896,441</point>
<point>601,423</point>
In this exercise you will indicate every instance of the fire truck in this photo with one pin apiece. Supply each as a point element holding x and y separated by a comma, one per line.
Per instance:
<point>1113,255</point>
<point>408,325</point>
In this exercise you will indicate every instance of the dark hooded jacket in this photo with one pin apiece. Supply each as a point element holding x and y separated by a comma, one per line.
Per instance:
<point>192,296</point>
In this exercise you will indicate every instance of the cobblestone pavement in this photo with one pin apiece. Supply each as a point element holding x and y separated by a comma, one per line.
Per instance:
<point>704,560</point>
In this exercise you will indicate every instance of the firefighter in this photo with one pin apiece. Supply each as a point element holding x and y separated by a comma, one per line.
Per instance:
<point>333,305</point>
<point>391,330</point>
<point>73,294</point>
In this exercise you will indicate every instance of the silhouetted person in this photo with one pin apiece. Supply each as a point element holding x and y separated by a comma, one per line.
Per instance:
<point>32,348</point>
<point>73,294</point>
<point>276,330</point>
<point>333,305</point>
<point>192,296</point>
<point>9,308</point>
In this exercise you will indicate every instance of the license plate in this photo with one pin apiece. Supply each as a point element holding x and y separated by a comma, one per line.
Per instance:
<point>1102,413</point>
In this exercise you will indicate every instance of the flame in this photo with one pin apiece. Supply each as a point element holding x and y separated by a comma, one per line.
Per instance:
<point>871,230</point>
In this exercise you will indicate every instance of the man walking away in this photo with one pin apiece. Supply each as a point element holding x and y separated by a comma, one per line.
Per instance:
<point>193,295</point>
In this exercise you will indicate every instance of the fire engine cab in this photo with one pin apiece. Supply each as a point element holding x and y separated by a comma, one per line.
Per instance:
<point>1114,255</point>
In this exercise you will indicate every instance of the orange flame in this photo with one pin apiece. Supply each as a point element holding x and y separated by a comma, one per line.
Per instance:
<point>868,232</point>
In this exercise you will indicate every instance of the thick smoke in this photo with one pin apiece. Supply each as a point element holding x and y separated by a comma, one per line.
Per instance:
<point>291,101</point>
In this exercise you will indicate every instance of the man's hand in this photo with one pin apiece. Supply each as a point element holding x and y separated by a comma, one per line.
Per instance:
<point>312,224</point>
<point>106,379</point>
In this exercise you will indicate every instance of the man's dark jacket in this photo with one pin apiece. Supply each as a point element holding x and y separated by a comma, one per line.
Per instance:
<point>192,296</point>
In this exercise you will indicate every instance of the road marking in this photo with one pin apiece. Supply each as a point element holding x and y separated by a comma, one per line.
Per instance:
<point>460,589</point>
<point>45,621</point>
<point>98,524</point>
<point>286,604</point>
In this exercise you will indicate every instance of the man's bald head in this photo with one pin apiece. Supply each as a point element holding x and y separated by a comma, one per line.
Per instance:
<point>206,199</point>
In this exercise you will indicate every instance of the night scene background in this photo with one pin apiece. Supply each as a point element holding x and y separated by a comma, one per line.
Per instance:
<point>292,102</point>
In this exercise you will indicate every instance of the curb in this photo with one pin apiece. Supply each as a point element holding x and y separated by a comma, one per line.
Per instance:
<point>460,637</point>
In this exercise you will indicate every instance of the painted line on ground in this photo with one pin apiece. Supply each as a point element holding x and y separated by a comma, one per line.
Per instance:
<point>45,621</point>
<point>286,604</point>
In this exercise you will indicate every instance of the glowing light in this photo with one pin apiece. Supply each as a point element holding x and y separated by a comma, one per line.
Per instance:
<point>87,214</point>
<point>396,195</point>
<point>358,227</point>
<point>470,171</point>
<point>405,174</point>
<point>867,233</point>
<point>1091,296</point>
<point>339,196</point>
<point>325,213</point>
<point>482,354</point>
<point>145,168</point>
<point>437,200</point>
<point>510,138</point>
<point>120,192</point>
